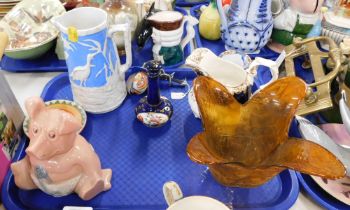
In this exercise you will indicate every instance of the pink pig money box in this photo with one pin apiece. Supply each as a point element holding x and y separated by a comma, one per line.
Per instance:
<point>59,161</point>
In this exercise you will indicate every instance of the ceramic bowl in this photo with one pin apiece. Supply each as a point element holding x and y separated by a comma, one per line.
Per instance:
<point>65,105</point>
<point>319,136</point>
<point>340,188</point>
<point>28,26</point>
<point>198,203</point>
<point>174,198</point>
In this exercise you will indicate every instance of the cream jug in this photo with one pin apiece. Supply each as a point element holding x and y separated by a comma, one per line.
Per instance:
<point>95,71</point>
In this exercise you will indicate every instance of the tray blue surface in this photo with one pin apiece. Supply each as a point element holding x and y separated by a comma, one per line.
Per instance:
<point>47,63</point>
<point>143,159</point>
<point>218,46</point>
<point>189,3</point>
<point>50,63</point>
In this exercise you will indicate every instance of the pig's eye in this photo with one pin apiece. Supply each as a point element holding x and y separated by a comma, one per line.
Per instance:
<point>52,135</point>
<point>35,130</point>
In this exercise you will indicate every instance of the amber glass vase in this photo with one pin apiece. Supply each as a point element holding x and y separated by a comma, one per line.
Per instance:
<point>119,12</point>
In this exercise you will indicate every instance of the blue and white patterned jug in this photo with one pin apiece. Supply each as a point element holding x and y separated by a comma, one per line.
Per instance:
<point>247,25</point>
<point>95,71</point>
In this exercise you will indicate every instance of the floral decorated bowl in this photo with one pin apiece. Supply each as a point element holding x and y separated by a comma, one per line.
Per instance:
<point>31,34</point>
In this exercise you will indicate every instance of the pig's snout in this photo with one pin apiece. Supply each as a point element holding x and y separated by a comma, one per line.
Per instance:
<point>35,153</point>
<point>38,149</point>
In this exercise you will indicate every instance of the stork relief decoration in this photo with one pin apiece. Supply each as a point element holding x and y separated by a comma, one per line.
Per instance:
<point>95,72</point>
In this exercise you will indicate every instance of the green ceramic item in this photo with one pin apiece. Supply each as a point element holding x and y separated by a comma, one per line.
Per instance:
<point>31,53</point>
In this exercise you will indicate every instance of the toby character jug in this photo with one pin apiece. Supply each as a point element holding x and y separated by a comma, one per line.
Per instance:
<point>95,70</point>
<point>296,20</point>
<point>247,25</point>
<point>168,28</point>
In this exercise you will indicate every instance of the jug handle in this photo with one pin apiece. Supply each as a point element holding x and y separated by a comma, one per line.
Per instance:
<point>127,42</point>
<point>172,192</point>
<point>222,13</point>
<point>4,39</point>
<point>191,21</point>
<point>141,12</point>
<point>280,7</point>
<point>272,65</point>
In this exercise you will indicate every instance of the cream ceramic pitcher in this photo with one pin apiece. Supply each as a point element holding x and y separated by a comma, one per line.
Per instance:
<point>95,71</point>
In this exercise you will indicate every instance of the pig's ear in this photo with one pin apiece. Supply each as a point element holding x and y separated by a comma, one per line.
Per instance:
<point>34,105</point>
<point>70,124</point>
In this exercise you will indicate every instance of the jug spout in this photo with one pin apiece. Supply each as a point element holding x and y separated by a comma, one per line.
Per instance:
<point>223,16</point>
<point>81,20</point>
<point>56,21</point>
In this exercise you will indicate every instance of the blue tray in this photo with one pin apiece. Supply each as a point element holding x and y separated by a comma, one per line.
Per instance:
<point>189,3</point>
<point>47,63</point>
<point>50,63</point>
<point>218,46</point>
<point>318,194</point>
<point>143,159</point>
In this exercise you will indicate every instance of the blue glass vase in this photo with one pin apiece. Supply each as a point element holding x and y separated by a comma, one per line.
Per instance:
<point>153,110</point>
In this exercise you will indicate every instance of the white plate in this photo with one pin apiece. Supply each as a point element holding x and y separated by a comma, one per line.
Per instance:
<point>340,188</point>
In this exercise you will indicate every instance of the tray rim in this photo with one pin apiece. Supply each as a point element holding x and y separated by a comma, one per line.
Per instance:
<point>289,196</point>
<point>183,3</point>
<point>187,51</point>
<point>8,201</point>
<point>313,193</point>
